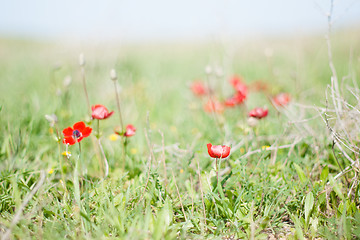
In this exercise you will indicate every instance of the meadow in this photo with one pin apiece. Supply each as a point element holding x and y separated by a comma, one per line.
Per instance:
<point>292,174</point>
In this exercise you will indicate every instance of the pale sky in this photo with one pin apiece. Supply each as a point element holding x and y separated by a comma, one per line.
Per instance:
<point>132,20</point>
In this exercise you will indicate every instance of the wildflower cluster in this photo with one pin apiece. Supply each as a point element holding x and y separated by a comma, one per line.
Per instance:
<point>238,98</point>
<point>79,131</point>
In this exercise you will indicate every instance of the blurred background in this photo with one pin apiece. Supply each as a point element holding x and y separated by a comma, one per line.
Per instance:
<point>124,21</point>
<point>153,43</point>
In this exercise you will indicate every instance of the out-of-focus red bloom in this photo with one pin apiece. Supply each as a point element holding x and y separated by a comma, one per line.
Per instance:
<point>239,85</point>
<point>76,133</point>
<point>282,99</point>
<point>238,98</point>
<point>213,106</point>
<point>130,131</point>
<point>100,112</point>
<point>258,113</point>
<point>218,151</point>
<point>198,88</point>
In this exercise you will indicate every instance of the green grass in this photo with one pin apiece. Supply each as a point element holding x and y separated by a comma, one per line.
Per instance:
<point>287,192</point>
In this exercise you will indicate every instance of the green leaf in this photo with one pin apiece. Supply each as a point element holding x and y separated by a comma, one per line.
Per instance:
<point>300,173</point>
<point>336,187</point>
<point>298,230</point>
<point>309,203</point>
<point>324,174</point>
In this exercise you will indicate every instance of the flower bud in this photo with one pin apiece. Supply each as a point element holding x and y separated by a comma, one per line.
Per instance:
<point>208,69</point>
<point>52,119</point>
<point>113,75</point>
<point>67,81</point>
<point>252,122</point>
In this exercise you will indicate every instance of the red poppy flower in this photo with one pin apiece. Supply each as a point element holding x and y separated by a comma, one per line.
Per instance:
<point>130,131</point>
<point>239,85</point>
<point>100,112</point>
<point>258,113</point>
<point>218,151</point>
<point>198,88</point>
<point>213,106</point>
<point>282,99</point>
<point>76,133</point>
<point>238,98</point>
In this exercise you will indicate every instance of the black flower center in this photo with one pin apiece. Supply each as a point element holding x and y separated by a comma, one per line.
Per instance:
<point>76,134</point>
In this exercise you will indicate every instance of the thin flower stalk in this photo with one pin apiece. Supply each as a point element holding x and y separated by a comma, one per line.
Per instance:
<point>76,185</point>
<point>113,77</point>
<point>208,72</point>
<point>106,164</point>
<point>82,67</point>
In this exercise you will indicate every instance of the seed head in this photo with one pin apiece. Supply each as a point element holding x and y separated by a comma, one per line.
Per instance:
<point>208,69</point>
<point>52,119</point>
<point>67,81</point>
<point>252,122</point>
<point>113,75</point>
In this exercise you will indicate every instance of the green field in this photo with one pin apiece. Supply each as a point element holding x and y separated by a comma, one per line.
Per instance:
<point>281,179</point>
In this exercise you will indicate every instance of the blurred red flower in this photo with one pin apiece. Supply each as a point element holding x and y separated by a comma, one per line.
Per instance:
<point>100,112</point>
<point>238,98</point>
<point>218,151</point>
<point>258,113</point>
<point>76,133</point>
<point>130,131</point>
<point>198,88</point>
<point>213,106</point>
<point>282,99</point>
<point>239,85</point>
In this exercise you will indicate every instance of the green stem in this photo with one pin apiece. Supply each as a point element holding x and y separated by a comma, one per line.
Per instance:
<point>60,159</point>
<point>106,165</point>
<point>61,168</point>
<point>123,152</point>
<point>219,187</point>
<point>98,129</point>
<point>118,107</point>
<point>76,185</point>
<point>85,90</point>
<point>217,171</point>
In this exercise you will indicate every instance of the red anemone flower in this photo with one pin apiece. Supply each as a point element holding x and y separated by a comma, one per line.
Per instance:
<point>258,113</point>
<point>130,131</point>
<point>218,151</point>
<point>282,99</point>
<point>198,88</point>
<point>238,98</point>
<point>100,112</point>
<point>239,85</point>
<point>213,106</point>
<point>76,133</point>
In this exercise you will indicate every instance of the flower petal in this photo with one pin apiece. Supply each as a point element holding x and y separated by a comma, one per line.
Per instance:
<point>110,113</point>
<point>86,132</point>
<point>69,140</point>
<point>68,132</point>
<point>96,106</point>
<point>211,154</point>
<point>217,151</point>
<point>79,126</point>
<point>226,151</point>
